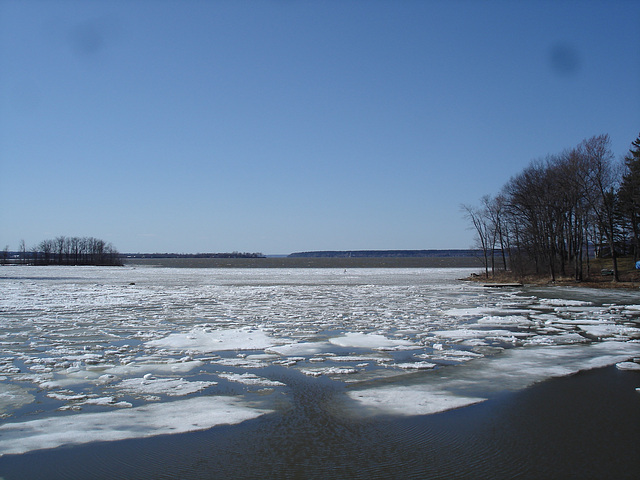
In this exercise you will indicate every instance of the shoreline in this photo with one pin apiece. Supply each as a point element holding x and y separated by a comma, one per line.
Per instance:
<point>504,279</point>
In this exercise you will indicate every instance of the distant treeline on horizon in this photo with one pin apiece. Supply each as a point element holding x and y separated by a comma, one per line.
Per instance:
<point>195,255</point>
<point>64,251</point>
<point>387,253</point>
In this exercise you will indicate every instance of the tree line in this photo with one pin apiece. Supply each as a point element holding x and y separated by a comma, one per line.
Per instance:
<point>197,255</point>
<point>383,253</point>
<point>561,211</point>
<point>70,251</point>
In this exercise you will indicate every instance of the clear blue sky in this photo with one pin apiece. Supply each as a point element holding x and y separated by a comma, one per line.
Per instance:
<point>279,126</point>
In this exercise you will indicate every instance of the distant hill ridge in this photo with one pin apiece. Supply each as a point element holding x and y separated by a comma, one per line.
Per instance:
<point>386,253</point>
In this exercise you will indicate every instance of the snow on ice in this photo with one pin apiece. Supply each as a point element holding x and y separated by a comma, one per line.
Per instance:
<point>193,414</point>
<point>514,369</point>
<point>206,341</point>
<point>371,341</point>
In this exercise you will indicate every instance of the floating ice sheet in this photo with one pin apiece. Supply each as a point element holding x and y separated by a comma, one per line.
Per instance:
<point>514,369</point>
<point>560,339</point>
<point>250,379</point>
<point>300,348</point>
<point>316,372</point>
<point>562,302</point>
<point>410,400</point>
<point>512,321</point>
<point>611,330</point>
<point>628,366</point>
<point>12,397</point>
<point>414,365</point>
<point>173,387</point>
<point>469,333</point>
<point>198,413</point>
<point>206,341</point>
<point>370,341</point>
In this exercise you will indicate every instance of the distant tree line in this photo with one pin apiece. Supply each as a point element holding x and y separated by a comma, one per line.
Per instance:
<point>196,255</point>
<point>70,251</point>
<point>384,253</point>
<point>561,211</point>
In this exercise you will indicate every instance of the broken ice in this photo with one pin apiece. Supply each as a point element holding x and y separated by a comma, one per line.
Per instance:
<point>93,353</point>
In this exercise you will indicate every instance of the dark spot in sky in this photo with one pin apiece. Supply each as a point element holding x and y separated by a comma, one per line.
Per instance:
<point>87,38</point>
<point>92,36</point>
<point>565,59</point>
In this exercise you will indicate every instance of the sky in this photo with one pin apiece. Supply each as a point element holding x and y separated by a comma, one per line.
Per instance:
<point>278,126</point>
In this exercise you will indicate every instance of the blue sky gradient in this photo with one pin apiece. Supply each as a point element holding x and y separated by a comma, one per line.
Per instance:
<point>280,126</point>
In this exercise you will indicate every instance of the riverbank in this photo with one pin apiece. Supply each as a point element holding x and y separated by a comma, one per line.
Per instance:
<point>598,275</point>
<point>628,280</point>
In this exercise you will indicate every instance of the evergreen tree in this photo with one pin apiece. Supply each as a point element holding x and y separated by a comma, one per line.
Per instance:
<point>629,194</point>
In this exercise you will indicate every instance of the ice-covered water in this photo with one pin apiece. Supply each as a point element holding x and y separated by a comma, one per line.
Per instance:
<point>91,353</point>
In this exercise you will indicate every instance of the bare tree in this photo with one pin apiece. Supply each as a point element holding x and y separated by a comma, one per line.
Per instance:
<point>59,248</point>
<point>530,201</point>
<point>600,186</point>
<point>479,219</point>
<point>46,247</point>
<point>23,252</point>
<point>550,215</point>
<point>76,251</point>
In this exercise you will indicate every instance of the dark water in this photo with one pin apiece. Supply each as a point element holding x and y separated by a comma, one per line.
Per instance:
<point>584,426</point>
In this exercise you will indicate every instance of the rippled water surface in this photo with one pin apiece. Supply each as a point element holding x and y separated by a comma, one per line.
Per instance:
<point>295,373</point>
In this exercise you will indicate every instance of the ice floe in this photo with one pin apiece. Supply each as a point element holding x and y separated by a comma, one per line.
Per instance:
<point>181,416</point>
<point>66,396</point>
<point>512,321</point>
<point>142,368</point>
<point>316,372</point>
<point>300,348</point>
<point>485,311</point>
<point>358,358</point>
<point>250,379</point>
<point>13,397</point>
<point>514,369</point>
<point>450,355</point>
<point>206,341</point>
<point>559,339</point>
<point>240,362</point>
<point>371,341</point>
<point>409,400</point>
<point>628,366</point>
<point>105,401</point>
<point>611,330</point>
<point>563,302</point>
<point>173,387</point>
<point>469,333</point>
<point>414,365</point>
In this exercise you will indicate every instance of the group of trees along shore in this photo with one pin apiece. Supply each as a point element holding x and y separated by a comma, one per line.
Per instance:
<point>70,251</point>
<point>562,210</point>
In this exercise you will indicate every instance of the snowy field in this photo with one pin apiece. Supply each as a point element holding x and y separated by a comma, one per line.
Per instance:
<point>92,353</point>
